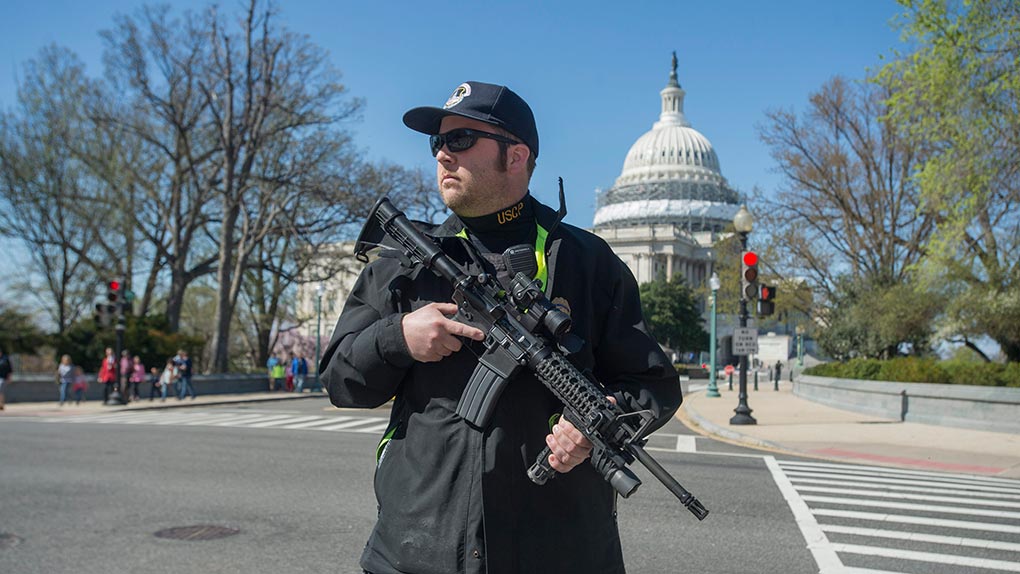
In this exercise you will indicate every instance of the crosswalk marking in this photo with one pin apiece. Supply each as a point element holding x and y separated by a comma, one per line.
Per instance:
<point>840,509</point>
<point>922,537</point>
<point>950,559</point>
<point>315,423</point>
<point>918,520</point>
<point>962,487</point>
<point>900,488</point>
<point>909,506</point>
<point>908,496</point>
<point>236,419</point>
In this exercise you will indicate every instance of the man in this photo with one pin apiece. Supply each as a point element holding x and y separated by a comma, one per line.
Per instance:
<point>184,366</point>
<point>6,372</point>
<point>299,366</point>
<point>453,497</point>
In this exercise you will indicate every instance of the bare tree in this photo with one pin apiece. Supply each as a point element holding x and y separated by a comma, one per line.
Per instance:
<point>48,191</point>
<point>850,207</point>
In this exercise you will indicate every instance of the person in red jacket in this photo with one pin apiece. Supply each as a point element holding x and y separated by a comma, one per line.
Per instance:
<point>108,374</point>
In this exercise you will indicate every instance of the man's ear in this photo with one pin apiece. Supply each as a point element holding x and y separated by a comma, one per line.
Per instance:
<point>518,160</point>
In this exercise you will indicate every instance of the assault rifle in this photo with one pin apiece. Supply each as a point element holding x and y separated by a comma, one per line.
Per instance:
<point>523,329</point>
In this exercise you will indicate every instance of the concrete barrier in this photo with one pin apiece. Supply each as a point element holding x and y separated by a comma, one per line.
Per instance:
<point>964,406</point>
<point>27,388</point>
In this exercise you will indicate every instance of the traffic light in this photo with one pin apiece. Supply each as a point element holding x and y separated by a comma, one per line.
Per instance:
<point>766,300</point>
<point>113,292</point>
<point>749,276</point>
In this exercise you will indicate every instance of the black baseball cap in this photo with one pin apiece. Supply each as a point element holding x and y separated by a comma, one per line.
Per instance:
<point>489,103</point>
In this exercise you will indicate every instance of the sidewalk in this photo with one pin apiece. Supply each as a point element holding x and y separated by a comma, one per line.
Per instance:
<point>792,425</point>
<point>49,409</point>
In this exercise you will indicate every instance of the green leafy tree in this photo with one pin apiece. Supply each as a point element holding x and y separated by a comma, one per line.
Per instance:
<point>880,321</point>
<point>18,334</point>
<point>957,94</point>
<point>673,315</point>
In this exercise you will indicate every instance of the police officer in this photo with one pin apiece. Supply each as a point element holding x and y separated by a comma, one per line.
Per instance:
<point>453,498</point>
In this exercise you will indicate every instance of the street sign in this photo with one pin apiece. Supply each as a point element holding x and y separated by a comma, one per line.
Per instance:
<point>745,341</point>
<point>729,369</point>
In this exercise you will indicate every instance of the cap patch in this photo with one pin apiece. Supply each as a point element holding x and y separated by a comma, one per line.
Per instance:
<point>462,91</point>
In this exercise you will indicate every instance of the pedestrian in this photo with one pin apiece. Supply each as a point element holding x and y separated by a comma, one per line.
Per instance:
<point>299,366</point>
<point>155,386</point>
<point>65,377</point>
<point>289,376</point>
<point>184,374</point>
<point>271,367</point>
<point>167,378</point>
<point>81,385</point>
<point>779,370</point>
<point>136,378</point>
<point>6,373</point>
<point>126,366</point>
<point>108,374</point>
<point>454,498</point>
<point>277,374</point>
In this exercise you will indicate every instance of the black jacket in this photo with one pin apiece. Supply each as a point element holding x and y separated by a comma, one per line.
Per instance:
<point>453,498</point>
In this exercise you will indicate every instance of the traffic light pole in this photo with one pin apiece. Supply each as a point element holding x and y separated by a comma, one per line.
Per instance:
<point>116,397</point>
<point>743,411</point>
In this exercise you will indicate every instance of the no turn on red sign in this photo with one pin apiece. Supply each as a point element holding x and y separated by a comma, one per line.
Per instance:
<point>745,341</point>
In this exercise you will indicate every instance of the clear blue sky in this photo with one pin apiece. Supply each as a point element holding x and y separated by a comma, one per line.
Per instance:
<point>591,70</point>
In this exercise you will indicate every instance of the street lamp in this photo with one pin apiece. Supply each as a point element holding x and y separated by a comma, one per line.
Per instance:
<point>743,222</point>
<point>713,390</point>
<point>800,345</point>
<point>318,332</point>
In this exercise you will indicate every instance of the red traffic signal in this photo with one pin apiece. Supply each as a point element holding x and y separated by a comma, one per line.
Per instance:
<point>749,275</point>
<point>767,293</point>
<point>114,285</point>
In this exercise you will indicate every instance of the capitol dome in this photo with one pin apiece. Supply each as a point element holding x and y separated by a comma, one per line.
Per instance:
<point>670,175</point>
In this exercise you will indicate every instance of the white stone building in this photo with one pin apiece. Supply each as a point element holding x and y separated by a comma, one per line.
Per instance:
<point>671,201</point>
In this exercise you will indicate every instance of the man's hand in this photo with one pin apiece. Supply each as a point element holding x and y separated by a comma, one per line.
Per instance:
<point>569,447</point>
<point>431,335</point>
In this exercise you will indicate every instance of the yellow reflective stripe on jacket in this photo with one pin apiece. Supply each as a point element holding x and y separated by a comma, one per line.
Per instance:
<point>540,238</point>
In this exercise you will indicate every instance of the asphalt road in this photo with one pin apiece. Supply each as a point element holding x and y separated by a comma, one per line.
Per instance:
<point>294,480</point>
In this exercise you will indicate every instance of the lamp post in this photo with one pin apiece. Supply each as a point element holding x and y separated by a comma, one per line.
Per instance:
<point>713,390</point>
<point>800,345</point>
<point>743,222</point>
<point>318,332</point>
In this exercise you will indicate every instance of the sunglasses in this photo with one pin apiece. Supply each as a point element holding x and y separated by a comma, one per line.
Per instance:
<point>462,139</point>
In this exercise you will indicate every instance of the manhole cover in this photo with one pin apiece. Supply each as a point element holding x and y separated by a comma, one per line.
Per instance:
<point>199,532</point>
<point>8,540</point>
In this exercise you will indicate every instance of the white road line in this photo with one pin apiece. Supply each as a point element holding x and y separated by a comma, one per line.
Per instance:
<point>923,520</point>
<point>247,423</point>
<point>349,424</point>
<point>908,506</point>
<point>945,486</point>
<point>876,471</point>
<point>890,470</point>
<point>686,443</point>
<point>315,423</point>
<point>955,492</point>
<point>921,537</point>
<point>214,419</point>
<point>853,570</point>
<point>968,561</point>
<point>822,551</point>
<point>288,420</point>
<point>374,429</point>
<point>906,496</point>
